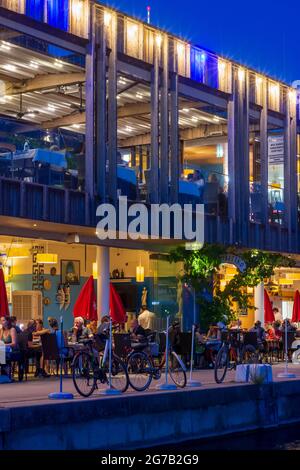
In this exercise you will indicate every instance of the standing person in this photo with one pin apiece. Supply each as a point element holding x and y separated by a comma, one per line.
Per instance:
<point>277,314</point>
<point>14,324</point>
<point>146,318</point>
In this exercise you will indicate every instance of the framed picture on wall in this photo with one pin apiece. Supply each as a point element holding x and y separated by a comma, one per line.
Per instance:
<point>70,271</point>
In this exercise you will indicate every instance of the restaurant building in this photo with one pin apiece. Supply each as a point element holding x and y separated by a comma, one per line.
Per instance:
<point>95,104</point>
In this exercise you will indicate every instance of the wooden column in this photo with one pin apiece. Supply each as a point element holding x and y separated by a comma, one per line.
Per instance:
<point>290,170</point>
<point>101,109</point>
<point>112,112</point>
<point>263,134</point>
<point>164,123</point>
<point>238,157</point>
<point>231,118</point>
<point>174,134</point>
<point>153,191</point>
<point>90,110</point>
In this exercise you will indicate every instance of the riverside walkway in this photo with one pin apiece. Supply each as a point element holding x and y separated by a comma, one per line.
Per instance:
<point>137,420</point>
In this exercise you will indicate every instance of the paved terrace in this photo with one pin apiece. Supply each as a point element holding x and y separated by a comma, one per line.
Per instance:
<point>36,391</point>
<point>29,420</point>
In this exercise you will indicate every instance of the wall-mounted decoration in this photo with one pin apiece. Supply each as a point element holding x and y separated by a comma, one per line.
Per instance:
<point>47,301</point>
<point>47,284</point>
<point>53,271</point>
<point>37,269</point>
<point>8,293</point>
<point>70,272</point>
<point>60,296</point>
<point>67,292</point>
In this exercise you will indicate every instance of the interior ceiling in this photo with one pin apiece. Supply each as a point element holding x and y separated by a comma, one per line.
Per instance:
<point>19,66</point>
<point>206,154</point>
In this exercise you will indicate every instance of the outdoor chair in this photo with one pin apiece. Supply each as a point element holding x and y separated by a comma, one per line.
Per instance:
<point>122,344</point>
<point>51,351</point>
<point>185,345</point>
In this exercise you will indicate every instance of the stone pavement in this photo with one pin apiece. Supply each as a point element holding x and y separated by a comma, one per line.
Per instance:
<point>35,391</point>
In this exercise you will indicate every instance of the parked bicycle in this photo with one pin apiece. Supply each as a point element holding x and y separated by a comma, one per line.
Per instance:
<point>232,353</point>
<point>142,367</point>
<point>90,367</point>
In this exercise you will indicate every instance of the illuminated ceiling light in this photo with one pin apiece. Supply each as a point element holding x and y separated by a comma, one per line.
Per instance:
<point>51,107</point>
<point>76,126</point>
<point>95,271</point>
<point>274,89</point>
<point>18,253</point>
<point>132,30</point>
<point>34,64</point>
<point>77,7</point>
<point>180,49</point>
<point>203,57</point>
<point>220,151</point>
<point>258,80</point>
<point>285,282</point>
<point>216,119</point>
<point>122,81</point>
<point>107,18</point>
<point>292,94</point>
<point>58,63</point>
<point>241,74</point>
<point>129,129</point>
<point>185,110</point>
<point>31,115</point>
<point>158,40</point>
<point>221,65</point>
<point>139,95</point>
<point>5,46</point>
<point>118,97</point>
<point>195,119</point>
<point>293,276</point>
<point>46,258</point>
<point>10,68</point>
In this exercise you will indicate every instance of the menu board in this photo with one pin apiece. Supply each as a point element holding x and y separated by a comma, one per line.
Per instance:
<point>276,149</point>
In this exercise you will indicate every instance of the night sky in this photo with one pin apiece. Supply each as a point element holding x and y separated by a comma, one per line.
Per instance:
<point>263,34</point>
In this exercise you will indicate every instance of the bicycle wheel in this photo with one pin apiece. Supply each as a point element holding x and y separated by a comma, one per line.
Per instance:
<point>83,374</point>
<point>177,371</point>
<point>221,364</point>
<point>139,370</point>
<point>119,376</point>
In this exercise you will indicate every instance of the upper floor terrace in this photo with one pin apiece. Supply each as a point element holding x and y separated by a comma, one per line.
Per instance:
<point>94,104</point>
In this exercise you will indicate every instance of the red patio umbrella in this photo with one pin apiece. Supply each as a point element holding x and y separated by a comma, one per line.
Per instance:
<point>4,310</point>
<point>269,314</point>
<point>296,308</point>
<point>86,305</point>
<point>117,309</point>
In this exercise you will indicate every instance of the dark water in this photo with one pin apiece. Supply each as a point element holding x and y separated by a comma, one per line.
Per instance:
<point>287,438</point>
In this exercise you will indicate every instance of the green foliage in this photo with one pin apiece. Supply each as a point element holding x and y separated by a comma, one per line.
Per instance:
<point>201,267</point>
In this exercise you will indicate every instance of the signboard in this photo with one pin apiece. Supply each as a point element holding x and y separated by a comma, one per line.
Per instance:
<point>276,149</point>
<point>236,261</point>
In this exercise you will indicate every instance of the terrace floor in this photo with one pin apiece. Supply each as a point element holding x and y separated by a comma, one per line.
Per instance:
<point>35,391</point>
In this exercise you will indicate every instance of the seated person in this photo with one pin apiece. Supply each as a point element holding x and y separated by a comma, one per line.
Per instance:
<point>79,331</point>
<point>34,349</point>
<point>199,347</point>
<point>138,334</point>
<point>8,335</point>
<point>277,330</point>
<point>270,332</point>
<point>236,325</point>
<point>102,333</point>
<point>213,343</point>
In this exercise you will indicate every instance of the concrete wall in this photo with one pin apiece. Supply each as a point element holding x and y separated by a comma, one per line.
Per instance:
<point>135,421</point>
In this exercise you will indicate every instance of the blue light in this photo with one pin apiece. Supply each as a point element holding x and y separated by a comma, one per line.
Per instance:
<point>203,57</point>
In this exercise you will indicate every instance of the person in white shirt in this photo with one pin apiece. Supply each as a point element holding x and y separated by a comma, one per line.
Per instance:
<point>277,314</point>
<point>146,318</point>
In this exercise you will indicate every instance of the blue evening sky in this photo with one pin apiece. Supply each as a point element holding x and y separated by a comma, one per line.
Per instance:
<point>263,34</point>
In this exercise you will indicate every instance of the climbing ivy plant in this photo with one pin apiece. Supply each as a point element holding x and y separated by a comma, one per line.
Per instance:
<point>200,270</point>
